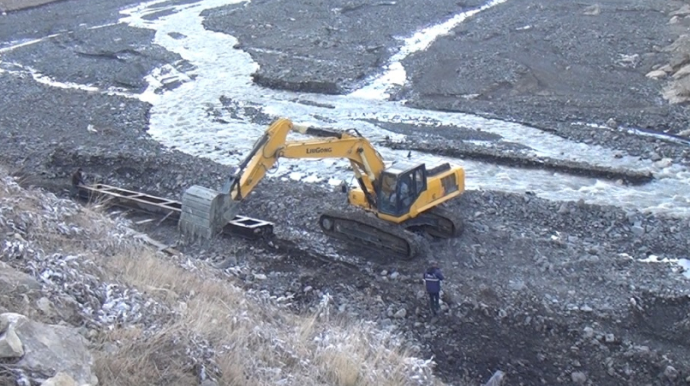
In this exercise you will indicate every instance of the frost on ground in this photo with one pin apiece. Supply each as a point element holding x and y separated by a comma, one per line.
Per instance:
<point>157,319</point>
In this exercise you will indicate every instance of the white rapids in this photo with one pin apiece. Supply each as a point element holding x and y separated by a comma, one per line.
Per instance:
<point>180,118</point>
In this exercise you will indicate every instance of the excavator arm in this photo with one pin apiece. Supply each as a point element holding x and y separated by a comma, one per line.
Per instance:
<point>366,162</point>
<point>205,210</point>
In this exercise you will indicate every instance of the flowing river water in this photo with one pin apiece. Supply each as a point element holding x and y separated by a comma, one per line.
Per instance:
<point>179,118</point>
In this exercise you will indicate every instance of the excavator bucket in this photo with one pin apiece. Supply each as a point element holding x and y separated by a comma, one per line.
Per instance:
<point>205,212</point>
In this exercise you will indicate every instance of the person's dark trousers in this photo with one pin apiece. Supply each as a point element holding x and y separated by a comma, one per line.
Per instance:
<point>433,302</point>
<point>74,191</point>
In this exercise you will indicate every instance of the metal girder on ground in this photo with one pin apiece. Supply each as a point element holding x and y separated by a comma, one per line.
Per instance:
<point>170,209</point>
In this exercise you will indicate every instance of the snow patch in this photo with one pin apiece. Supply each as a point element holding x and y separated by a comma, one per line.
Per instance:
<point>682,265</point>
<point>685,264</point>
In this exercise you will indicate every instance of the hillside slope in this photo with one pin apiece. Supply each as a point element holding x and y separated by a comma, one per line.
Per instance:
<point>149,318</point>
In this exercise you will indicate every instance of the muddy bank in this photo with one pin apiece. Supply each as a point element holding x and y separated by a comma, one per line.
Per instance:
<point>57,17</point>
<point>540,61</point>
<point>459,142</point>
<point>15,5</point>
<point>111,57</point>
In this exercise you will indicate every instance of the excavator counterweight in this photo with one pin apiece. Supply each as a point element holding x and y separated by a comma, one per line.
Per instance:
<point>396,201</point>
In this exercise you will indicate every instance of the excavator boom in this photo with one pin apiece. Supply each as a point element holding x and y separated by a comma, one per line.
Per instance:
<point>366,161</point>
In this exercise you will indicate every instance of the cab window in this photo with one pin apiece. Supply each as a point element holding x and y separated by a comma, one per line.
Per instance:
<point>419,180</point>
<point>406,190</point>
<point>387,197</point>
<point>388,184</point>
<point>397,193</point>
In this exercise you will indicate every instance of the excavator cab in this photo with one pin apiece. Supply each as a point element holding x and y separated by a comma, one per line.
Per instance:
<point>400,186</point>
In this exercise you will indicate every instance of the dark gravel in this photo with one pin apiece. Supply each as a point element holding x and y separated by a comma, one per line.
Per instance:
<point>543,61</point>
<point>538,289</point>
<point>57,17</point>
<point>331,47</point>
<point>113,56</point>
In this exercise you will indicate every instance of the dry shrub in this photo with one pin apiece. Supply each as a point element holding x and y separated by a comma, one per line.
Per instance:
<point>6,375</point>
<point>130,357</point>
<point>357,354</point>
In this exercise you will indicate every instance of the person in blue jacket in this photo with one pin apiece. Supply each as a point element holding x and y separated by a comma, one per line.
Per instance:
<point>432,279</point>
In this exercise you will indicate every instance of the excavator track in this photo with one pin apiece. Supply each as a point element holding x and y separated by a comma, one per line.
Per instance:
<point>362,230</point>
<point>437,222</point>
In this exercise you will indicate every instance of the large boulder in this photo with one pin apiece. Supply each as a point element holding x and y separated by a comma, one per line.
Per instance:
<point>50,349</point>
<point>10,345</point>
<point>13,281</point>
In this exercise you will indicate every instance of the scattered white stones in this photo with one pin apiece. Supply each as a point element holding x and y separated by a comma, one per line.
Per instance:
<point>671,373</point>
<point>578,377</point>
<point>592,10</point>
<point>656,74</point>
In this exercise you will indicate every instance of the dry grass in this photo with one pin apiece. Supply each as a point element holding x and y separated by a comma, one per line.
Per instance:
<point>130,357</point>
<point>259,344</point>
<point>241,338</point>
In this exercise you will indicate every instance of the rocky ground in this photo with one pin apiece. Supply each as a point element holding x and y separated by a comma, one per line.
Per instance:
<point>548,292</point>
<point>86,300</point>
<point>548,64</point>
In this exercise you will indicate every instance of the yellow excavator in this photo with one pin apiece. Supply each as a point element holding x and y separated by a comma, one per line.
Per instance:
<point>401,200</point>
